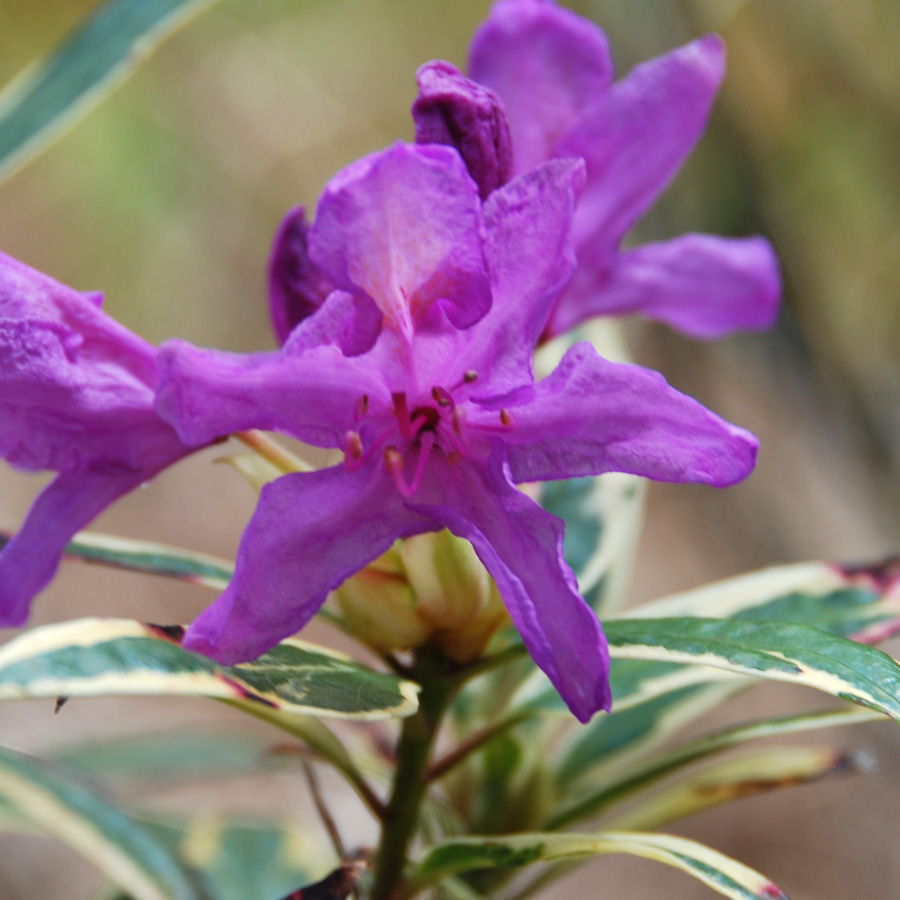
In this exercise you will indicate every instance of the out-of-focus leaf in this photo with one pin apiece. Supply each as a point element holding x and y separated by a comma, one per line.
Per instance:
<point>798,654</point>
<point>48,97</point>
<point>628,780</point>
<point>734,779</point>
<point>168,756</point>
<point>129,854</point>
<point>144,556</point>
<point>243,861</point>
<point>100,657</point>
<point>602,517</point>
<point>721,873</point>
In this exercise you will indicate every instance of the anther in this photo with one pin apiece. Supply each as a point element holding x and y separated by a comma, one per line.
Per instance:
<point>361,408</point>
<point>506,419</point>
<point>468,377</point>
<point>353,451</point>
<point>442,397</point>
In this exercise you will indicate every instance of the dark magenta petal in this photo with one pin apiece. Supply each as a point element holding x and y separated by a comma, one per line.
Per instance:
<point>310,395</point>
<point>529,249</point>
<point>296,286</point>
<point>309,533</point>
<point>635,138</point>
<point>521,547</point>
<point>454,110</point>
<point>547,65</point>
<point>403,227</point>
<point>70,502</point>
<point>592,416</point>
<point>706,287</point>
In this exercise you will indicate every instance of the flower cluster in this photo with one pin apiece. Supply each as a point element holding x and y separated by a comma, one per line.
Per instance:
<point>409,313</point>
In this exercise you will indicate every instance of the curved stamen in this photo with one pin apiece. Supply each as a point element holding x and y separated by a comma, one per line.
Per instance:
<point>393,460</point>
<point>354,455</point>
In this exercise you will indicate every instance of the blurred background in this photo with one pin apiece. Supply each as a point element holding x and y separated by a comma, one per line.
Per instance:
<point>166,198</point>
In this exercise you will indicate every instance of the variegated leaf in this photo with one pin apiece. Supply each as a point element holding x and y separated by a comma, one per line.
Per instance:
<point>798,654</point>
<point>129,854</point>
<point>98,657</point>
<point>721,873</point>
<point>147,557</point>
<point>762,771</point>
<point>623,782</point>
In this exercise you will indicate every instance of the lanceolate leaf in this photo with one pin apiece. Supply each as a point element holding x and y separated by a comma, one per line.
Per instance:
<point>98,657</point>
<point>734,779</point>
<point>144,556</point>
<point>128,854</point>
<point>629,780</point>
<point>772,650</point>
<point>49,97</point>
<point>721,873</point>
<point>243,861</point>
<point>859,602</point>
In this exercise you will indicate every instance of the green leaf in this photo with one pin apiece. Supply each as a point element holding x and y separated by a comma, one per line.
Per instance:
<point>628,780</point>
<point>128,854</point>
<point>243,861</point>
<point>100,657</point>
<point>722,874</point>
<point>147,557</point>
<point>49,97</point>
<point>735,779</point>
<point>168,757</point>
<point>773,650</point>
<point>859,602</point>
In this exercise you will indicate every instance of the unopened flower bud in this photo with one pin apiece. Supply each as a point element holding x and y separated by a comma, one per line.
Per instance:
<point>428,589</point>
<point>452,109</point>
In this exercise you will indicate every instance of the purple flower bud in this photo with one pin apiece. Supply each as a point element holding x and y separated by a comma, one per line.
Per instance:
<point>296,286</point>
<point>452,109</point>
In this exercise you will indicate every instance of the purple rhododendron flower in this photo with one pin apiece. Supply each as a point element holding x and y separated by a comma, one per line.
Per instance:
<point>76,397</point>
<point>440,417</point>
<point>553,73</point>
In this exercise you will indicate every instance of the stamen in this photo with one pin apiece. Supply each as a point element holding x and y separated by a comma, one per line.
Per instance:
<point>506,419</point>
<point>443,397</point>
<point>353,451</point>
<point>468,377</point>
<point>393,460</point>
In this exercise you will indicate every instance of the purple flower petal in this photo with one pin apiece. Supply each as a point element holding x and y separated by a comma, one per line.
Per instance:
<point>592,416</point>
<point>403,227</point>
<point>706,287</point>
<point>76,388</point>
<point>30,560</point>
<point>310,395</point>
<point>521,547</point>
<point>636,137</point>
<point>529,250</point>
<point>296,286</point>
<point>309,533</point>
<point>547,65</point>
<point>454,110</point>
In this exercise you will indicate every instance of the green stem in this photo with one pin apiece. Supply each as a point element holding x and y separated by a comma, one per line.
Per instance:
<point>410,775</point>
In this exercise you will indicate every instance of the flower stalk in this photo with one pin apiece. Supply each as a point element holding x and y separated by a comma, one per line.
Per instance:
<point>433,672</point>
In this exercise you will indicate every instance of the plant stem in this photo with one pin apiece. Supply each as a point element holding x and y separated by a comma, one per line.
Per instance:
<point>410,775</point>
